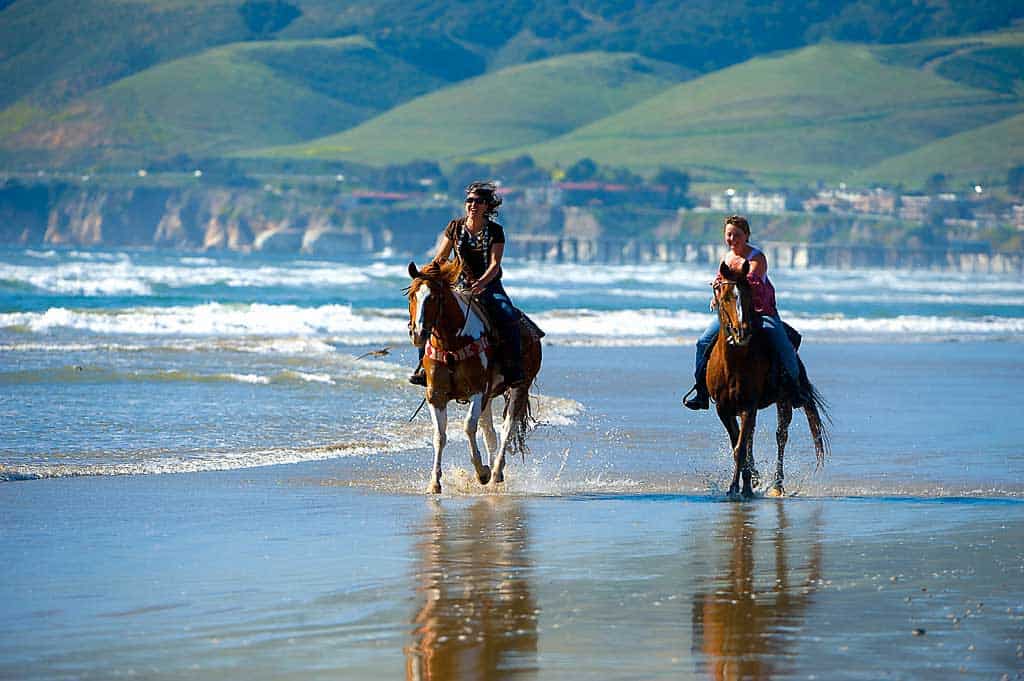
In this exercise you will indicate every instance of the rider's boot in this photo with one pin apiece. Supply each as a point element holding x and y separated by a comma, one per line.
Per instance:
<point>419,377</point>
<point>700,400</point>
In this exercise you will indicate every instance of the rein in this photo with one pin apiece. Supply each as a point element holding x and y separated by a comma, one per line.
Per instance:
<point>449,357</point>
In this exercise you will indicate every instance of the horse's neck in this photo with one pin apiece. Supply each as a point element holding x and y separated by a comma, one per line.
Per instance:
<point>461,321</point>
<point>472,325</point>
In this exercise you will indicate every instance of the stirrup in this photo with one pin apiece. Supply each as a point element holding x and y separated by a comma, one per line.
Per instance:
<point>698,402</point>
<point>419,377</point>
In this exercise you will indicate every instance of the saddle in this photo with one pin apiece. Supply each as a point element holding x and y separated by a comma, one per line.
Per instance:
<point>527,327</point>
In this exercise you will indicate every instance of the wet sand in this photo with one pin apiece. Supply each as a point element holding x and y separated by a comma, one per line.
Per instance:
<point>611,555</point>
<point>245,575</point>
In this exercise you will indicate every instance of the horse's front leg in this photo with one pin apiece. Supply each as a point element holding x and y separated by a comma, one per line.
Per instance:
<point>439,415</point>
<point>483,473</point>
<point>748,423</point>
<point>785,411</point>
<point>728,419</point>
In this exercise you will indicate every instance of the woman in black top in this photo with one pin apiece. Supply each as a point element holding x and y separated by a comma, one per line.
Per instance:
<point>479,243</point>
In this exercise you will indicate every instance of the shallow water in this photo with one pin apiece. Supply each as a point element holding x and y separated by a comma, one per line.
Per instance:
<point>205,482</point>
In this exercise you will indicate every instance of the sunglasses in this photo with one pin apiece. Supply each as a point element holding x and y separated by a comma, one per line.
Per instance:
<point>473,199</point>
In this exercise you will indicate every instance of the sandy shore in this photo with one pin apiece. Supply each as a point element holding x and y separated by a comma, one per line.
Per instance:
<point>254,574</point>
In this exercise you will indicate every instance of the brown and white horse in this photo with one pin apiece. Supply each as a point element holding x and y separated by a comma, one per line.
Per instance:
<point>459,366</point>
<point>738,378</point>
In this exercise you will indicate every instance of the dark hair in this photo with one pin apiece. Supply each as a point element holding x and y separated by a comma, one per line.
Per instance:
<point>488,191</point>
<point>738,221</point>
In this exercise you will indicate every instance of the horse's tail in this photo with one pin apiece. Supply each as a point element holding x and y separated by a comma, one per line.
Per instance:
<point>818,420</point>
<point>517,404</point>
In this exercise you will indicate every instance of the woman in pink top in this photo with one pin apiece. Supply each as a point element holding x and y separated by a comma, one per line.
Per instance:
<point>737,234</point>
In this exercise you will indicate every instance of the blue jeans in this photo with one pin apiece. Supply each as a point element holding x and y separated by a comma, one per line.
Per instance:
<point>774,330</point>
<point>506,317</point>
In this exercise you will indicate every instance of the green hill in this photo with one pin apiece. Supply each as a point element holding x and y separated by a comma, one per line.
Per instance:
<point>509,108</point>
<point>821,112</point>
<point>227,98</point>
<point>53,51</point>
<point>983,155</point>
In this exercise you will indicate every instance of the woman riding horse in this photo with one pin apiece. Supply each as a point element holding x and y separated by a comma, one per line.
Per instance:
<point>737,234</point>
<point>479,243</point>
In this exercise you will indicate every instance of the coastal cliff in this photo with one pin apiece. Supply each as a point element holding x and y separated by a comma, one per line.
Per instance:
<point>334,224</point>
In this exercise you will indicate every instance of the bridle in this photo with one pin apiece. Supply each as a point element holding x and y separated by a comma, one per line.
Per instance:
<point>740,333</point>
<point>429,329</point>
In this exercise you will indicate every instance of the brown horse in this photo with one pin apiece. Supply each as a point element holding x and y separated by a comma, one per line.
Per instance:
<point>739,381</point>
<point>459,366</point>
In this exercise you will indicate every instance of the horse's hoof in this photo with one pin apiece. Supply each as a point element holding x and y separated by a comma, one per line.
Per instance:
<point>498,478</point>
<point>755,478</point>
<point>434,488</point>
<point>484,476</point>
<point>747,494</point>
<point>775,491</point>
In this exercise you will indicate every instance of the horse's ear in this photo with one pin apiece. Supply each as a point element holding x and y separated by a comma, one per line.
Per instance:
<point>413,272</point>
<point>724,270</point>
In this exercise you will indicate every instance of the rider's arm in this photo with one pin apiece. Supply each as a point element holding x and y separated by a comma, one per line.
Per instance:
<point>497,250</point>
<point>443,251</point>
<point>758,266</point>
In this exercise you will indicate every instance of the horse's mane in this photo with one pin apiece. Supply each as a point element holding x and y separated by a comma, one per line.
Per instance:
<point>446,273</point>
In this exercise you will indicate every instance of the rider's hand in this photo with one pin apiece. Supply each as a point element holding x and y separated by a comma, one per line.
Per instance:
<point>477,287</point>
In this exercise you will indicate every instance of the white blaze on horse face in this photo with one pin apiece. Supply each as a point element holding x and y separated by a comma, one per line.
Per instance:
<point>739,306</point>
<point>422,293</point>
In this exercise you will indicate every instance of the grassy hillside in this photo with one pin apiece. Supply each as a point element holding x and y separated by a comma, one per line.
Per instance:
<point>247,94</point>
<point>509,108</point>
<point>53,51</point>
<point>983,155</point>
<point>822,112</point>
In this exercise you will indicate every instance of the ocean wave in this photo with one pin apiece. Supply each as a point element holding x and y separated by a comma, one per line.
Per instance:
<point>290,329</point>
<point>214,319</point>
<point>392,437</point>
<point>122,276</point>
<point>78,373</point>
<point>270,346</point>
<point>159,463</point>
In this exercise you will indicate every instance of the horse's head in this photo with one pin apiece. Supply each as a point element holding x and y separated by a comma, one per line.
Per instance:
<point>430,287</point>
<point>735,305</point>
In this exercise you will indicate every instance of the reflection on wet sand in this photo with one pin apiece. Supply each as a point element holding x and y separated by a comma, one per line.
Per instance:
<point>744,630</point>
<point>478,618</point>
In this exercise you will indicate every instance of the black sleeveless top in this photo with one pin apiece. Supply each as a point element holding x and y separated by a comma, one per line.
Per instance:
<point>474,251</point>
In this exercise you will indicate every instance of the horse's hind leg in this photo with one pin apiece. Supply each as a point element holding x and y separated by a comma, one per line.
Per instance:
<point>483,473</point>
<point>785,411</point>
<point>439,415</point>
<point>490,435</point>
<point>745,450</point>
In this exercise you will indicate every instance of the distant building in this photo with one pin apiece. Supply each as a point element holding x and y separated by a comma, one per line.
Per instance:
<point>914,208</point>
<point>750,202</point>
<point>874,202</point>
<point>547,195</point>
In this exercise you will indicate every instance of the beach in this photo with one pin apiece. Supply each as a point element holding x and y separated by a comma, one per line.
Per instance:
<point>203,481</point>
<point>619,560</point>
